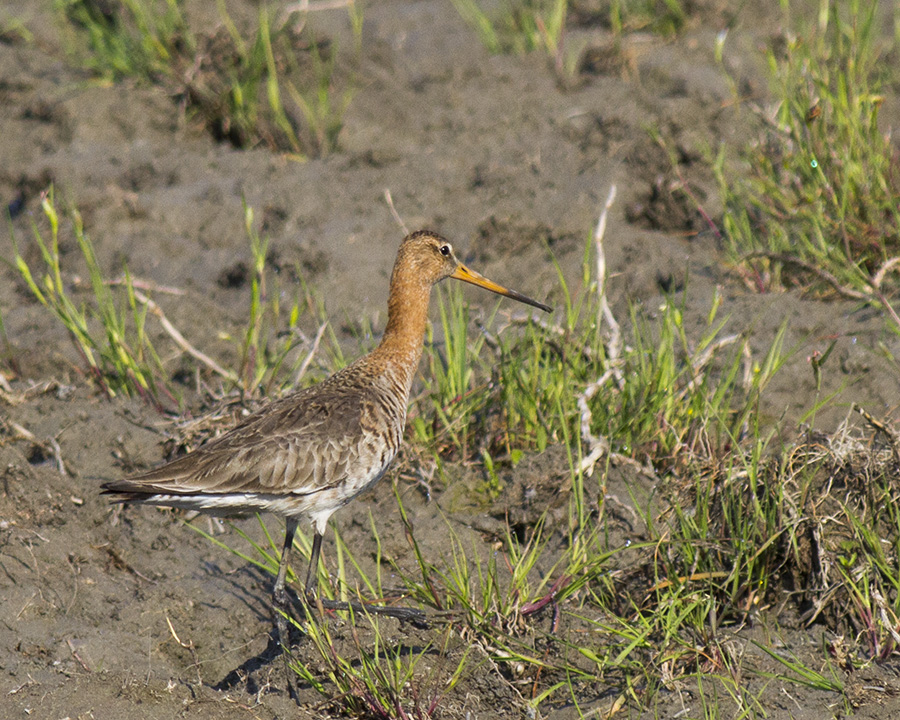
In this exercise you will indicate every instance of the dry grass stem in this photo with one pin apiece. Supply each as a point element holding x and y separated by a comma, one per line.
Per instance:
<point>821,273</point>
<point>890,433</point>
<point>180,340</point>
<point>888,265</point>
<point>11,397</point>
<point>397,219</point>
<point>887,306</point>
<point>147,286</point>
<point>78,657</point>
<point>311,354</point>
<point>704,358</point>
<point>313,6</point>
<point>49,447</point>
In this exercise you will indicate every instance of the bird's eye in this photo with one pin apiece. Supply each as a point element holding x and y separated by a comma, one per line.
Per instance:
<point>445,250</point>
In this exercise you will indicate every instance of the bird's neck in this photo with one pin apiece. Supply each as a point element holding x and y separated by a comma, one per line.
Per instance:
<point>404,336</point>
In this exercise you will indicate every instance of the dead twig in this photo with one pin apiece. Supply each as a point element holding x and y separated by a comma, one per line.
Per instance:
<point>390,203</point>
<point>147,286</point>
<point>823,275</point>
<point>888,265</point>
<point>893,437</point>
<point>597,446</point>
<point>887,306</point>
<point>309,356</point>
<point>11,397</point>
<point>189,646</point>
<point>703,359</point>
<point>305,6</point>
<point>78,657</point>
<point>30,681</point>
<point>49,447</point>
<point>874,296</point>
<point>181,342</point>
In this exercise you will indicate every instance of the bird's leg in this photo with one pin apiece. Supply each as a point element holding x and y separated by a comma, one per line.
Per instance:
<point>279,596</point>
<point>279,593</point>
<point>416,617</point>
<point>312,574</point>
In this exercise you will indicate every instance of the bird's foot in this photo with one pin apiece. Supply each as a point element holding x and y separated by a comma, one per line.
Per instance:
<point>283,638</point>
<point>280,597</point>
<point>414,616</point>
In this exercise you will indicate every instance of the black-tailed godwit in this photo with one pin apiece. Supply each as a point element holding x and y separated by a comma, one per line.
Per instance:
<point>312,452</point>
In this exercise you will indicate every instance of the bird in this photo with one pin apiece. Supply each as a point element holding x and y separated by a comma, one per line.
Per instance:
<point>308,454</point>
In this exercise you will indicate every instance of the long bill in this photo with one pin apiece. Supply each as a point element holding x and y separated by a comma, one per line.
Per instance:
<point>470,276</point>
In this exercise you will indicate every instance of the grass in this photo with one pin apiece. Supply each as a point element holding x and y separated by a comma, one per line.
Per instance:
<point>731,535</point>
<point>524,26</point>
<point>110,336</point>
<point>278,86</point>
<point>271,359</point>
<point>558,607</point>
<point>521,25</point>
<point>108,322</point>
<point>528,385</point>
<point>813,204</point>
<point>138,38</point>
<point>556,617</point>
<point>661,17</point>
<point>684,523</point>
<point>381,679</point>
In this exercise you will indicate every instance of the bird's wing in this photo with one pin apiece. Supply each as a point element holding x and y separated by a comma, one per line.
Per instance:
<point>301,444</point>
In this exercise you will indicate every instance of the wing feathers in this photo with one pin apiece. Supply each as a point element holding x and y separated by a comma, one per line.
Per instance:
<point>296,446</point>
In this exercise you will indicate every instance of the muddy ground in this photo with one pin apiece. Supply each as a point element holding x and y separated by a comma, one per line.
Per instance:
<point>497,154</point>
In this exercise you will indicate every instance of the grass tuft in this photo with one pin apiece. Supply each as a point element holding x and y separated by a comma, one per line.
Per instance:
<point>662,17</point>
<point>272,356</point>
<point>110,335</point>
<point>815,204</point>
<point>110,332</point>
<point>278,86</point>
<point>521,26</point>
<point>663,398</point>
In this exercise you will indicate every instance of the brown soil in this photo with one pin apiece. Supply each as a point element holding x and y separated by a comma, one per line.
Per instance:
<point>497,154</point>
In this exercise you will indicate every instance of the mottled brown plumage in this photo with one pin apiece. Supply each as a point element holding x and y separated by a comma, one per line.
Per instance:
<point>313,451</point>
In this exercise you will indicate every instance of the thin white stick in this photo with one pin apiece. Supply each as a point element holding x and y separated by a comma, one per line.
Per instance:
<point>597,446</point>
<point>614,344</point>
<point>309,356</point>
<point>390,203</point>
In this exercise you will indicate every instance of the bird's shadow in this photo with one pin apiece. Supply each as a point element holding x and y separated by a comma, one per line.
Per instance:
<point>252,586</point>
<point>259,603</point>
<point>244,674</point>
